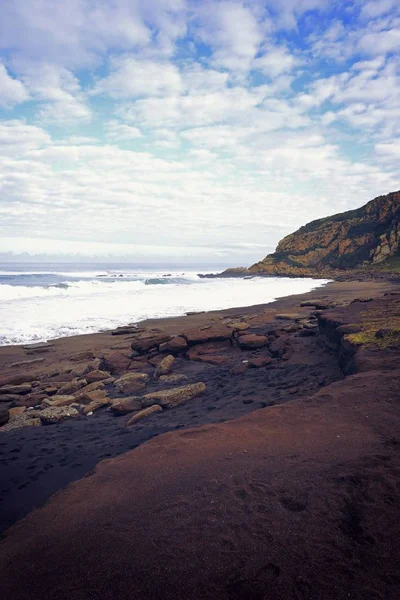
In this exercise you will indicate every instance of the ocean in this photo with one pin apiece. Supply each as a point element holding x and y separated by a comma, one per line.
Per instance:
<point>40,302</point>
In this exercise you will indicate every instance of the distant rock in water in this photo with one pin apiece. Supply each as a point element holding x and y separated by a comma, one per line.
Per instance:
<point>365,237</point>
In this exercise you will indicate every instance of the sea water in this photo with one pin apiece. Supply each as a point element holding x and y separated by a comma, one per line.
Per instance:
<point>42,302</point>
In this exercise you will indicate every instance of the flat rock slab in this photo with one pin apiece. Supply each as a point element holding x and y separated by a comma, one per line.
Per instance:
<point>175,396</point>
<point>212,334</point>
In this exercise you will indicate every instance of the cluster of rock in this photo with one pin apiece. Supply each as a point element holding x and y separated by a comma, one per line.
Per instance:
<point>140,381</point>
<point>36,403</point>
<point>349,240</point>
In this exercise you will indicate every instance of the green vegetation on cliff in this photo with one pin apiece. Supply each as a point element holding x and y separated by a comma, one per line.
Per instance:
<point>366,238</point>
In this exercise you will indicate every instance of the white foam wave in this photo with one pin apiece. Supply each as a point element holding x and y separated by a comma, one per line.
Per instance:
<point>88,307</point>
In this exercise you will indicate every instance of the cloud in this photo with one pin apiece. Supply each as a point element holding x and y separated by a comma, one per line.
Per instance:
<point>131,77</point>
<point>120,131</point>
<point>12,91</point>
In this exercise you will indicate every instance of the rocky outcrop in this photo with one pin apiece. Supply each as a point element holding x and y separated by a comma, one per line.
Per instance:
<point>352,240</point>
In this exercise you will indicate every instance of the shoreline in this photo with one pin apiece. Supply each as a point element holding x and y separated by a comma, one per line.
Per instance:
<point>40,461</point>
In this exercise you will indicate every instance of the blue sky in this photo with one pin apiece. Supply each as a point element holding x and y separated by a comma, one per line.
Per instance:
<point>182,130</point>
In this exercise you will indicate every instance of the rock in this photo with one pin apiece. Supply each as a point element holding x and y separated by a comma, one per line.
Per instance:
<point>213,334</point>
<point>117,362</point>
<point>31,399</point>
<point>4,415</point>
<point>38,346</point>
<point>55,414</point>
<point>147,340</point>
<point>72,386</point>
<point>343,329</point>
<point>84,355</point>
<point>279,347</point>
<point>94,396</point>
<point>23,388</point>
<point>59,400</point>
<point>91,387</point>
<point>338,243</point>
<point>126,405</point>
<point>10,398</point>
<point>165,366</point>
<point>15,379</point>
<point>125,330</point>
<point>146,412</point>
<point>308,332</point>
<point>50,390</point>
<point>261,361</point>
<point>239,326</point>
<point>131,382</point>
<point>174,396</point>
<point>97,375</point>
<point>26,419</point>
<point>212,359</point>
<point>96,404</point>
<point>17,410</point>
<point>252,341</point>
<point>288,316</point>
<point>176,378</point>
<point>239,369</point>
<point>26,363</point>
<point>176,345</point>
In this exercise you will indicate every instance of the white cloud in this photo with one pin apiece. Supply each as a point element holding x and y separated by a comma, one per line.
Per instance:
<point>12,91</point>
<point>120,131</point>
<point>131,77</point>
<point>276,61</point>
<point>234,33</point>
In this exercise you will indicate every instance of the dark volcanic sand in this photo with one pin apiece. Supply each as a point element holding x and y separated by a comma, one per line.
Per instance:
<point>294,501</point>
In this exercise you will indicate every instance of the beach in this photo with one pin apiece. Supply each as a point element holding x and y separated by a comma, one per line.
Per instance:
<point>279,481</point>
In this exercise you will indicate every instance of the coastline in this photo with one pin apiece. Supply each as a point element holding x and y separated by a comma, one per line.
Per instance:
<point>237,412</point>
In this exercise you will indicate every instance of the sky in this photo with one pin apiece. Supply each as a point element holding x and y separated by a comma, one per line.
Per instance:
<point>191,131</point>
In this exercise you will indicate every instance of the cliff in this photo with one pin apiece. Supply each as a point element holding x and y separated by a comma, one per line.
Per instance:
<point>364,238</point>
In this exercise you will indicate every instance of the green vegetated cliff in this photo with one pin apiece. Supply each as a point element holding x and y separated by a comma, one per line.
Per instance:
<point>367,238</point>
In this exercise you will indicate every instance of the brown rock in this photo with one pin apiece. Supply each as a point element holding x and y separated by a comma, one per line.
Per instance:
<point>59,400</point>
<point>117,362</point>
<point>239,369</point>
<point>214,333</point>
<point>27,363</point>
<point>23,388</point>
<point>279,347</point>
<point>165,366</point>
<point>17,410</point>
<point>131,382</point>
<point>175,346</point>
<point>239,326</point>
<point>51,390</point>
<point>261,361</point>
<point>97,375</point>
<point>72,386</point>
<point>174,396</point>
<point>26,419</point>
<point>146,412</point>
<point>252,341</point>
<point>147,340</point>
<point>94,396</point>
<point>55,414</point>
<point>96,404</point>
<point>126,405</point>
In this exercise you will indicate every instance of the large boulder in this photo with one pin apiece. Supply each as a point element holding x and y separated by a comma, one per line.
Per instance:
<point>252,341</point>
<point>174,396</point>
<point>117,362</point>
<point>164,366</point>
<point>147,340</point>
<point>131,382</point>
<point>126,405</point>
<point>55,414</point>
<point>142,414</point>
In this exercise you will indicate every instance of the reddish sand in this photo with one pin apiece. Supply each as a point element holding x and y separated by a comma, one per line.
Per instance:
<point>298,500</point>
